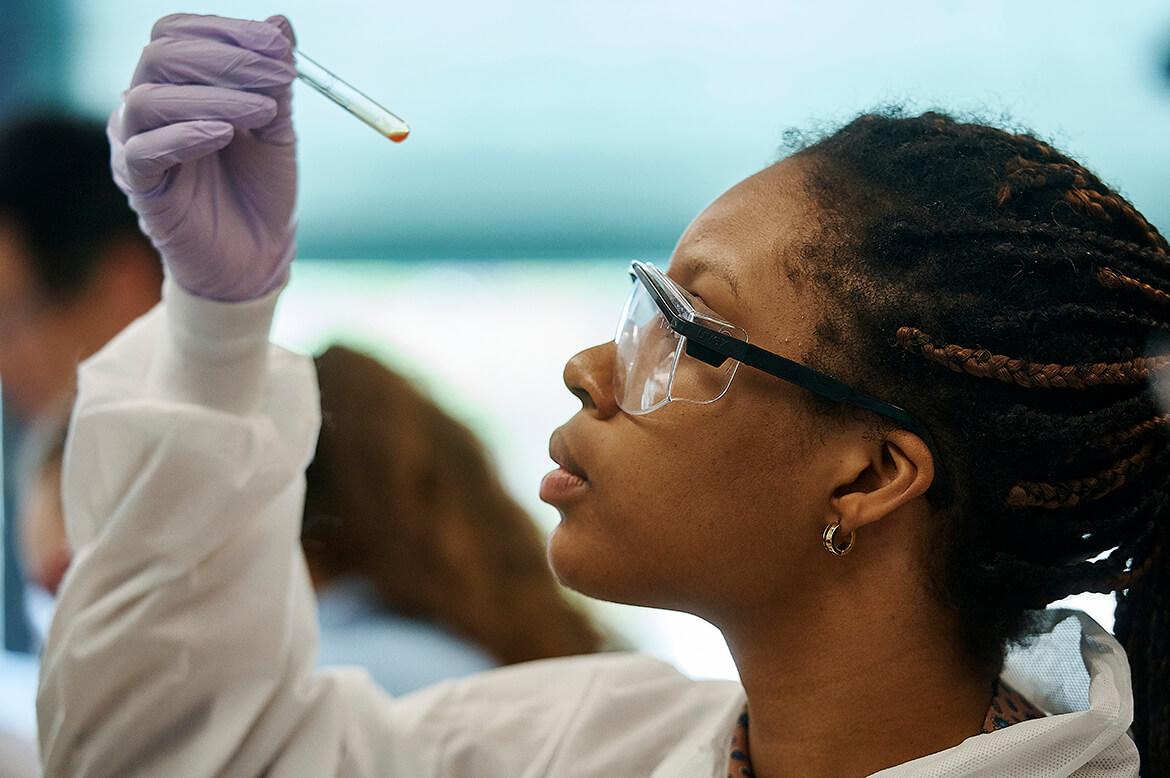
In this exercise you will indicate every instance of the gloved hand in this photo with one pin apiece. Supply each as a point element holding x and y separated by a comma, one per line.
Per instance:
<point>204,147</point>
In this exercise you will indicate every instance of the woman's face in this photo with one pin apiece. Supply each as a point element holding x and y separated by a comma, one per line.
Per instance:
<point>706,507</point>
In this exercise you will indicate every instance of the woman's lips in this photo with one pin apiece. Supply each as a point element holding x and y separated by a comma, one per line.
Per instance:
<point>560,486</point>
<point>568,480</point>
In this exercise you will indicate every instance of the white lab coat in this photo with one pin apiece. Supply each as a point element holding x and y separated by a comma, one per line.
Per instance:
<point>184,638</point>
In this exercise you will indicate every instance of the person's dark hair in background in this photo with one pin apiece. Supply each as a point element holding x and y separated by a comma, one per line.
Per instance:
<point>404,497</point>
<point>1042,404</point>
<point>74,267</point>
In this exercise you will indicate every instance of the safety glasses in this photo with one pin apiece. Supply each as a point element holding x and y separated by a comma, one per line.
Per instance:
<point>671,347</point>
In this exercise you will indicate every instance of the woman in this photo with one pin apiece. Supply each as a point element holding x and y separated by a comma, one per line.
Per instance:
<point>867,562</point>
<point>424,566</point>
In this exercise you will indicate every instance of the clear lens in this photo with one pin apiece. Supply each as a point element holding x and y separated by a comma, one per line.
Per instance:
<point>653,367</point>
<point>699,382</point>
<point>646,351</point>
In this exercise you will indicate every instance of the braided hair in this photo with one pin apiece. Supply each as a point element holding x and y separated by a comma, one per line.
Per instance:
<point>1006,296</point>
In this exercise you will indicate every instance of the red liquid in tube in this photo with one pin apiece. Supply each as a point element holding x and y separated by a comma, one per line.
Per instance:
<point>398,135</point>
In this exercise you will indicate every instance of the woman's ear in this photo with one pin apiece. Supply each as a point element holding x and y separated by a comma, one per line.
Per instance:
<point>885,478</point>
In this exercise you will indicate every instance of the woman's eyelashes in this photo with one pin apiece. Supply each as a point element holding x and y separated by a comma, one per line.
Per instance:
<point>704,307</point>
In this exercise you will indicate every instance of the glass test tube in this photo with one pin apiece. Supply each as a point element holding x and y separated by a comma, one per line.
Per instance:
<point>351,99</point>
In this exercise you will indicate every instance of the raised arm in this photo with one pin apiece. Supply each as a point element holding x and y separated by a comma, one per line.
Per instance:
<point>184,637</point>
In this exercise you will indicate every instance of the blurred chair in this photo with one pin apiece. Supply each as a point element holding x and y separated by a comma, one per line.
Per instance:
<point>18,727</point>
<point>18,758</point>
<point>44,547</point>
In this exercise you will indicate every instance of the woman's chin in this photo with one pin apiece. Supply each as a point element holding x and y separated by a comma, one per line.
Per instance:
<point>563,558</point>
<point>607,559</point>
<point>586,566</point>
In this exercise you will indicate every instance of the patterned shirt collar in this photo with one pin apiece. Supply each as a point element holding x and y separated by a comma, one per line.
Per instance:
<point>1007,707</point>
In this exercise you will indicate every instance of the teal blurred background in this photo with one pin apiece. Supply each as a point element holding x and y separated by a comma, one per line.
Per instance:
<point>594,129</point>
<point>554,141</point>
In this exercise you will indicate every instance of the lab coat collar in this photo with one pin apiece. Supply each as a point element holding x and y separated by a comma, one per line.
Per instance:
<point>1078,674</point>
<point>1069,667</point>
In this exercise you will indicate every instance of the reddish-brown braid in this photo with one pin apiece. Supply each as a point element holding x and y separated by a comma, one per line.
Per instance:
<point>1136,432</point>
<point>1066,494</point>
<point>1081,190</point>
<point>1114,280</point>
<point>1044,295</point>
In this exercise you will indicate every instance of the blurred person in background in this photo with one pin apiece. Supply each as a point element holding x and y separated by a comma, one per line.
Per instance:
<point>425,567</point>
<point>942,421</point>
<point>74,270</point>
<point>74,266</point>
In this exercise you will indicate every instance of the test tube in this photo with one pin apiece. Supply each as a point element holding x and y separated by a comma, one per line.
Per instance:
<point>351,98</point>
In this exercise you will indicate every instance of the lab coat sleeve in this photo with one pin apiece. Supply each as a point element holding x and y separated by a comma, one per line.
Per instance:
<point>185,633</point>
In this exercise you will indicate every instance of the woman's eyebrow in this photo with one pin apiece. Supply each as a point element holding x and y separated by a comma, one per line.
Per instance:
<point>691,268</point>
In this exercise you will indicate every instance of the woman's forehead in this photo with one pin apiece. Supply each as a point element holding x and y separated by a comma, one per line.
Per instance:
<point>761,218</point>
<point>735,253</point>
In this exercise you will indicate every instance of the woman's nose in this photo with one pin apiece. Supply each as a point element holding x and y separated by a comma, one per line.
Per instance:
<point>589,376</point>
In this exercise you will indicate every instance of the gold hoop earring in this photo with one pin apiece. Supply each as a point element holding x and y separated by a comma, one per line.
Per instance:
<point>831,545</point>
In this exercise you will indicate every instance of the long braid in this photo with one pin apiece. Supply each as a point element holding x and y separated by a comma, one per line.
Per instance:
<point>1076,314</point>
<point>1002,293</point>
<point>1137,431</point>
<point>1041,494</point>
<point>1099,428</point>
<point>983,363</point>
<point>1114,280</point>
<point>1070,238</point>
<point>1079,532</point>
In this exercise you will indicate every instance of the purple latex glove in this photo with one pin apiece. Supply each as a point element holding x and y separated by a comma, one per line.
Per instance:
<point>203,145</point>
